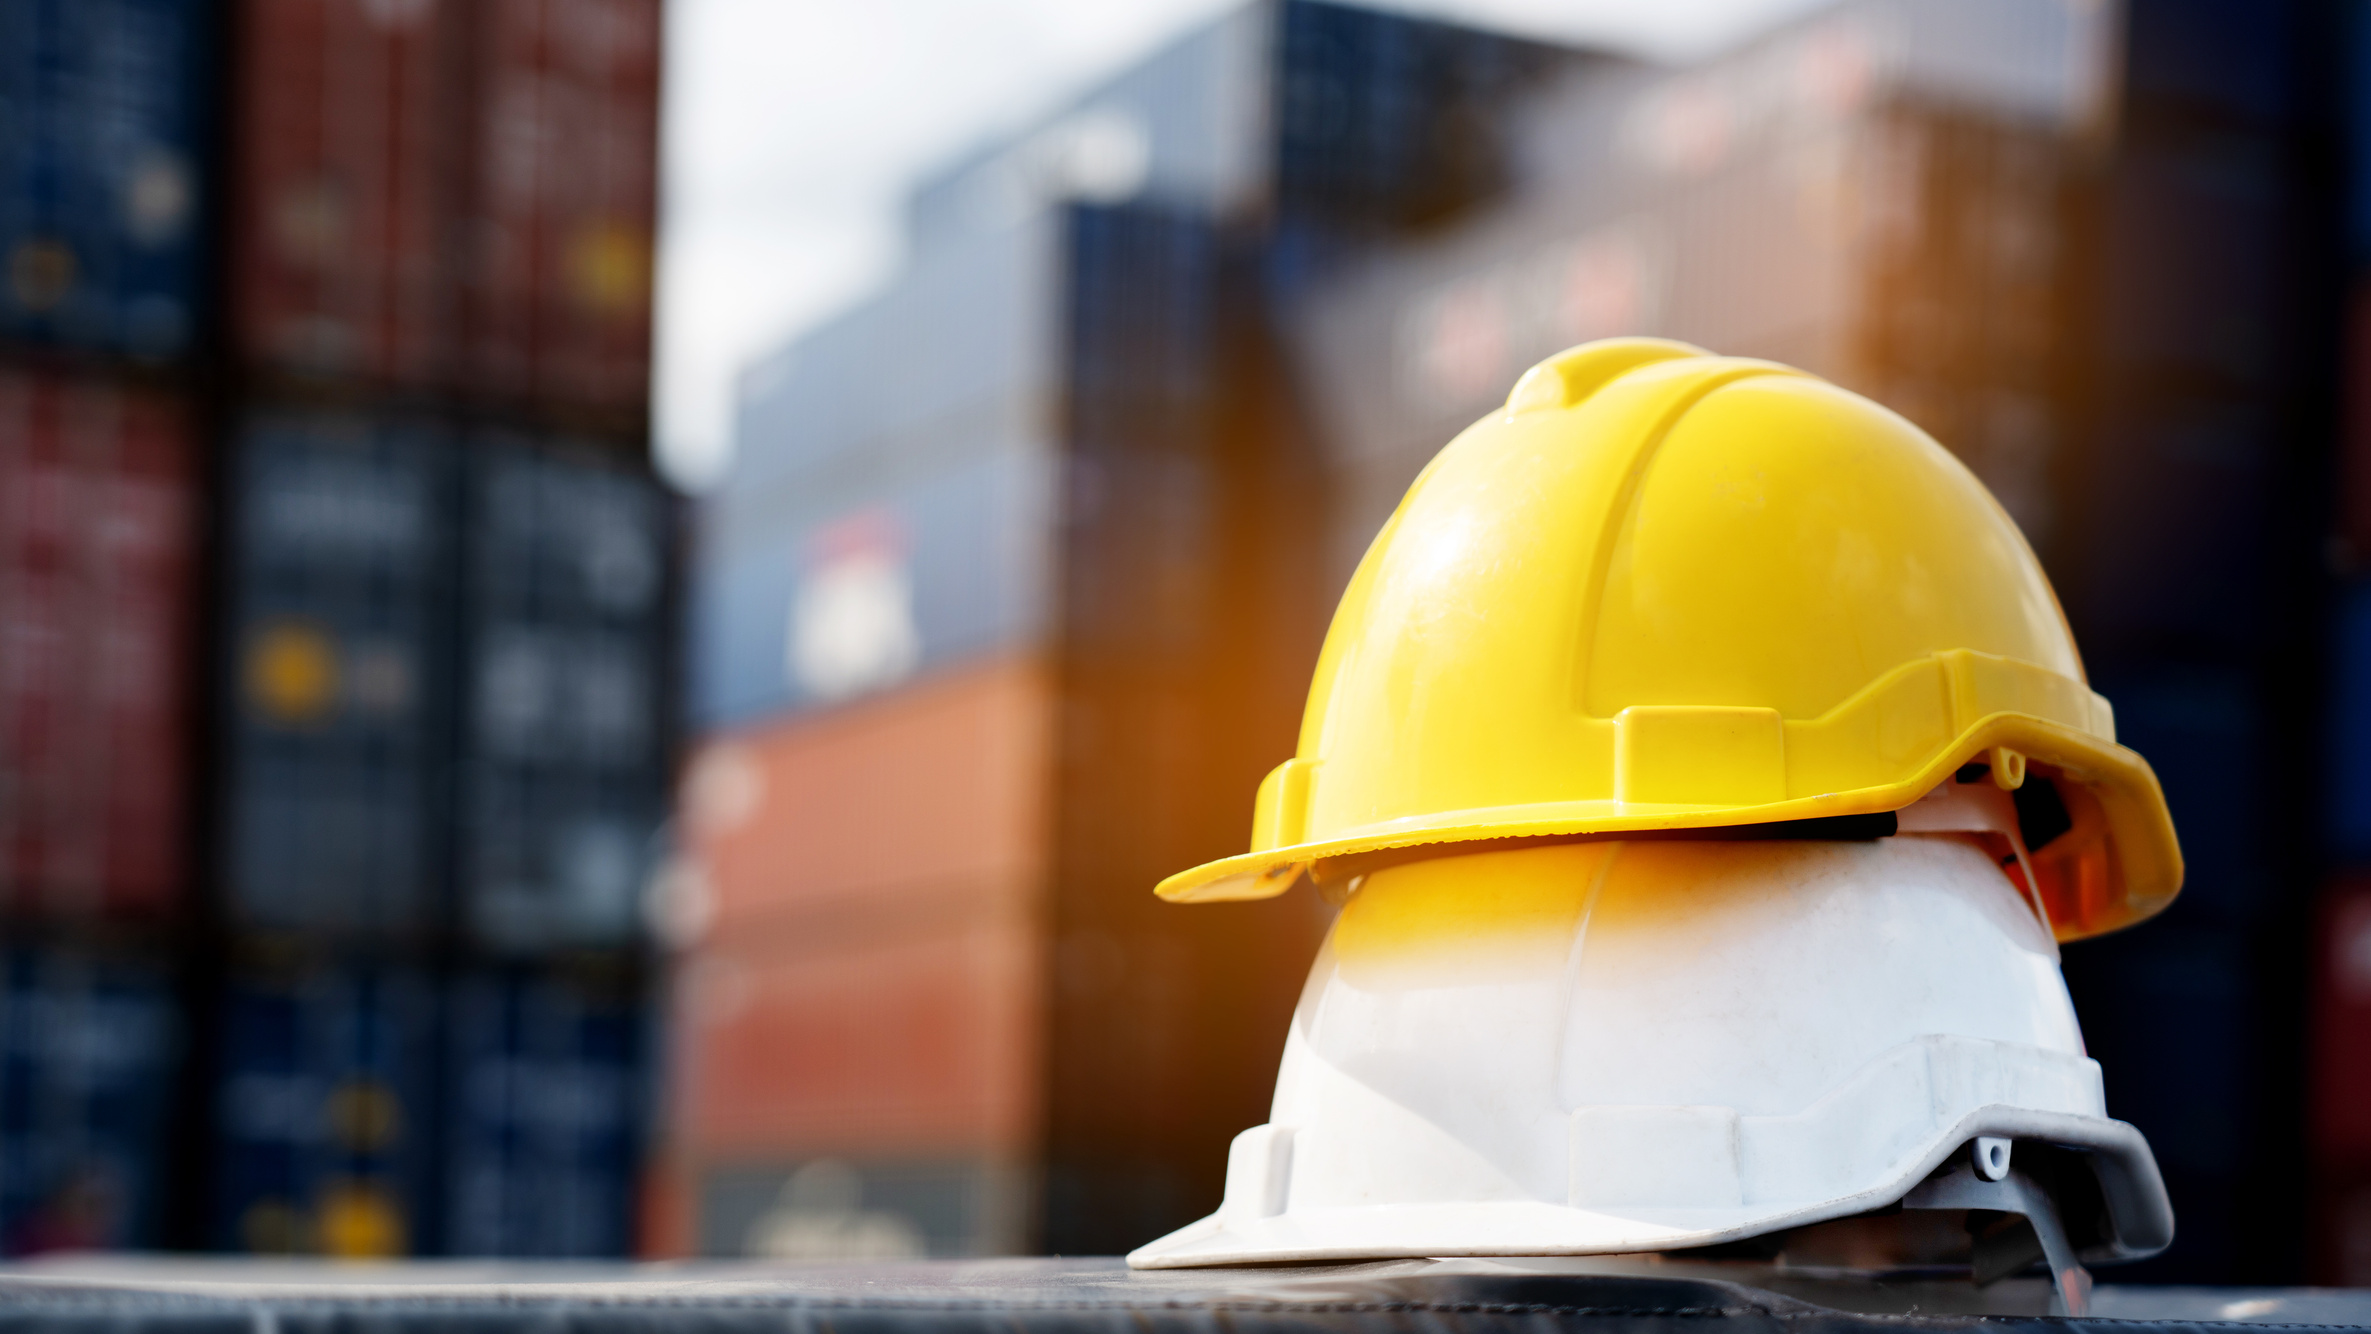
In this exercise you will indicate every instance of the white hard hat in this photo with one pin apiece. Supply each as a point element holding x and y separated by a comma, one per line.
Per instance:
<point>1610,1046</point>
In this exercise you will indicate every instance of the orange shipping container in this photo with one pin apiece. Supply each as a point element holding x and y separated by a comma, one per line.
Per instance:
<point>938,792</point>
<point>920,1042</point>
<point>863,891</point>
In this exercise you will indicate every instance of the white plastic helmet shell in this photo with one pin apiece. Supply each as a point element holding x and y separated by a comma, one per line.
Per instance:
<point>1603,1047</point>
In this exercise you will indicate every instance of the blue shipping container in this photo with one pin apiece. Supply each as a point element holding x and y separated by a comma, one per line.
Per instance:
<point>546,1104</point>
<point>892,485</point>
<point>89,1048</point>
<point>323,1110</point>
<point>340,608</point>
<point>565,635</point>
<point>101,108</point>
<point>836,603</point>
<point>2350,724</point>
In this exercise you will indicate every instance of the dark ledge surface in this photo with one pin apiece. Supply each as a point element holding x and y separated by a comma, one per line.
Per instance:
<point>1633,1295</point>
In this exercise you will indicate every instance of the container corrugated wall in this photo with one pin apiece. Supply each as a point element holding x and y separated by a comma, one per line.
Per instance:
<point>87,1041</point>
<point>892,508</point>
<point>325,1110</point>
<point>447,731</point>
<point>451,197</point>
<point>544,1071</point>
<point>338,636</point>
<point>98,533</point>
<point>102,183</point>
<point>561,769</point>
<point>561,200</point>
<point>347,188</point>
<point>448,607</point>
<point>104,186</point>
<point>868,990</point>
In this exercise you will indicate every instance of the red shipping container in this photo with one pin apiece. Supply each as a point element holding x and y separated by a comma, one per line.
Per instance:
<point>2341,1248</point>
<point>97,498</point>
<point>2341,1078</point>
<point>344,205</point>
<point>2354,440</point>
<point>2340,1081</point>
<point>562,199</point>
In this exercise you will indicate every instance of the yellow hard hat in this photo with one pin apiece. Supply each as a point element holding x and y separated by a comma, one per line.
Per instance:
<point>1667,590</point>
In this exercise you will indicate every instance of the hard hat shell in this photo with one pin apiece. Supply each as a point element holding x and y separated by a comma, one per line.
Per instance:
<point>1663,590</point>
<point>1610,1046</point>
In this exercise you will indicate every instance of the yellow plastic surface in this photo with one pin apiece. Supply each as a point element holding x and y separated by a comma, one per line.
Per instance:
<point>1667,590</point>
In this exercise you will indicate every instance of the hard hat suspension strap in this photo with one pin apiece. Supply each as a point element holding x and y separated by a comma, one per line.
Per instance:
<point>2001,1251</point>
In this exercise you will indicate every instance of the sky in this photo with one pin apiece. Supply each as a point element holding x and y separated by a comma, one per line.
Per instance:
<point>791,129</point>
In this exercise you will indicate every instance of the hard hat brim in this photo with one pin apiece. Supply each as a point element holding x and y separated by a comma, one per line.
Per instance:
<point>2140,1213</point>
<point>2119,864</point>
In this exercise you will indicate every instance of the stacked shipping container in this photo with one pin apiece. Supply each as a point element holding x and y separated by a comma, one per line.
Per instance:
<point>336,778</point>
<point>1878,194</point>
<point>544,1110</point>
<point>101,196</point>
<point>870,973</point>
<point>2191,560</point>
<point>1003,613</point>
<point>97,483</point>
<point>562,777</point>
<point>87,1038</point>
<point>403,407</point>
<point>1188,627</point>
<point>2340,1108</point>
<point>560,202</point>
<point>102,123</point>
<point>339,583</point>
<point>323,1104</point>
<point>346,189</point>
<point>445,558</point>
<point>451,197</point>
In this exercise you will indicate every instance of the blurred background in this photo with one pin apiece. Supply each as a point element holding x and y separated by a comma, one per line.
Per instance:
<point>454,801</point>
